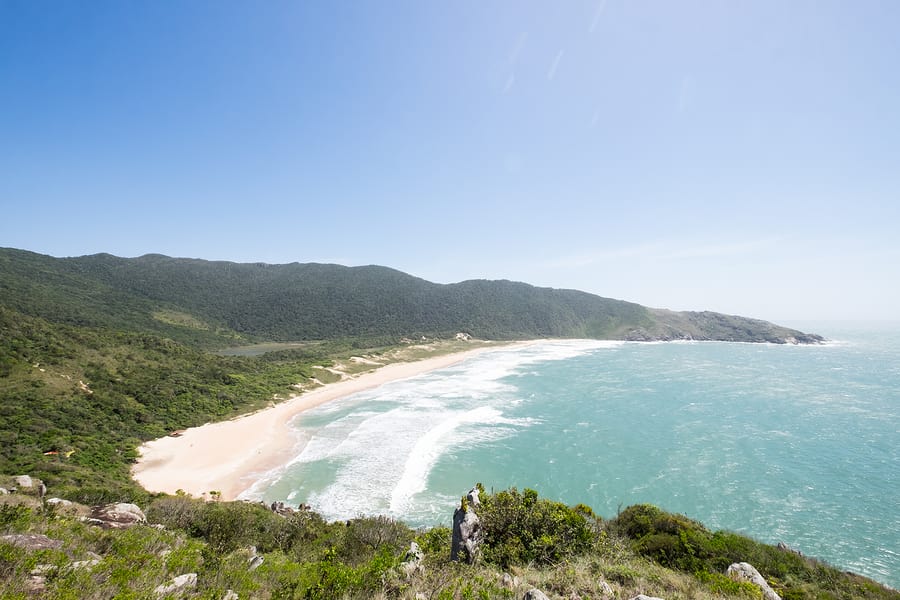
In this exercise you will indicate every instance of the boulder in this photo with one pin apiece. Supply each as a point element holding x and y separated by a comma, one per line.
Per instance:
<point>747,572</point>
<point>280,508</point>
<point>509,582</point>
<point>117,516</point>
<point>606,592</point>
<point>3,491</point>
<point>32,541</point>
<point>230,595</point>
<point>24,481</point>
<point>785,548</point>
<point>412,563</point>
<point>178,585</point>
<point>467,534</point>
<point>535,594</point>
<point>643,597</point>
<point>36,585</point>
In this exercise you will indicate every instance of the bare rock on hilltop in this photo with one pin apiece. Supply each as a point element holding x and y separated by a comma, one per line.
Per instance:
<point>117,516</point>
<point>748,573</point>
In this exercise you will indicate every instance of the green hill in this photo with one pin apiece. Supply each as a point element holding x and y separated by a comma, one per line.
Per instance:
<point>218,303</point>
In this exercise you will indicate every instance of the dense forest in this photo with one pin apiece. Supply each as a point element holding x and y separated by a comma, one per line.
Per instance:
<point>222,303</point>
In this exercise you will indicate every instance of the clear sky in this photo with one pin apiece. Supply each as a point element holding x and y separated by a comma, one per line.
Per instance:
<point>742,157</point>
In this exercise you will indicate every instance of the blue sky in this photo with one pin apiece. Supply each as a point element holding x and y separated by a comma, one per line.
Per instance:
<point>742,157</point>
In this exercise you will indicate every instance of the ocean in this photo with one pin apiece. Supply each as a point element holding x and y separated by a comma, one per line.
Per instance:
<point>799,444</point>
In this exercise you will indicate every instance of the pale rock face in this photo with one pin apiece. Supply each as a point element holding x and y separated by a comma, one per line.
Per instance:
<point>413,561</point>
<point>466,534</point>
<point>178,585</point>
<point>509,582</point>
<point>535,594</point>
<point>117,516</point>
<point>747,572</point>
<point>24,481</point>
<point>643,597</point>
<point>606,592</point>
<point>32,541</point>
<point>472,498</point>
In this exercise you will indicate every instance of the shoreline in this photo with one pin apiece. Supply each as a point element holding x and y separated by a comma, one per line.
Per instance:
<point>226,456</point>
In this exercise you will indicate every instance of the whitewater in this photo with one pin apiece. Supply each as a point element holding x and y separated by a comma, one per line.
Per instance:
<point>799,444</point>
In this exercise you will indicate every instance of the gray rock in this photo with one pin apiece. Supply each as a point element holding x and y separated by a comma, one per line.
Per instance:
<point>509,582</point>
<point>643,597</point>
<point>785,548</point>
<point>467,534</point>
<point>606,592</point>
<point>230,595</point>
<point>178,585</point>
<point>43,569</point>
<point>85,564</point>
<point>535,594</point>
<point>3,491</point>
<point>472,498</point>
<point>117,516</point>
<point>32,541</point>
<point>412,563</point>
<point>24,481</point>
<point>747,572</point>
<point>59,502</point>
<point>36,585</point>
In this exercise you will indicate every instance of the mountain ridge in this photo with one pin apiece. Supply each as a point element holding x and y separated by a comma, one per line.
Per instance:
<point>306,301</point>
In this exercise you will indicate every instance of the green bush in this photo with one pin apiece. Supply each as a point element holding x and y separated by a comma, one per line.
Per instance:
<point>520,528</point>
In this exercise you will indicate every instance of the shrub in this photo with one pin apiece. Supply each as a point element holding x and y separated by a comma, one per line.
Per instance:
<point>520,528</point>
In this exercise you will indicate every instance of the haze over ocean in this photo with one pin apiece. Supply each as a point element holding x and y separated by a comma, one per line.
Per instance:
<point>799,444</point>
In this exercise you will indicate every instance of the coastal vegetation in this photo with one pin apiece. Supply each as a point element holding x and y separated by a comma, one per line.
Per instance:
<point>99,354</point>
<point>220,304</point>
<point>250,551</point>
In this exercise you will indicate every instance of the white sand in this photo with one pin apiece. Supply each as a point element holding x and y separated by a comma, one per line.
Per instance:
<point>227,456</point>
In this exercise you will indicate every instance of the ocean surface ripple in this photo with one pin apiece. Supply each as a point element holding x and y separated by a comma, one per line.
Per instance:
<point>799,444</point>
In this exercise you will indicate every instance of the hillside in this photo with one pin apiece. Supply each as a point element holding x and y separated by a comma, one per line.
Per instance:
<point>100,353</point>
<point>216,304</point>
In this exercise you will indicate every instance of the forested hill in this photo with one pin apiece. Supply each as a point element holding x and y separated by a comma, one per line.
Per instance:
<point>216,303</point>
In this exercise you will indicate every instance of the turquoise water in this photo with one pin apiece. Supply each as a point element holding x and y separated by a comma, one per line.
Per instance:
<point>799,444</point>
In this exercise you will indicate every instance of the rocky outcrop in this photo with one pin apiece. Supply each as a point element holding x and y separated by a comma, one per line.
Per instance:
<point>508,582</point>
<point>280,508</point>
<point>746,572</point>
<point>643,597</point>
<point>785,548</point>
<point>116,516</point>
<point>606,592</point>
<point>255,559</point>
<point>412,563</point>
<point>178,585</point>
<point>24,482</point>
<point>467,530</point>
<point>535,594</point>
<point>31,541</point>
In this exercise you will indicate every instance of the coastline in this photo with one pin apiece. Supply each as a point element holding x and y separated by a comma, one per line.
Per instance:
<point>226,456</point>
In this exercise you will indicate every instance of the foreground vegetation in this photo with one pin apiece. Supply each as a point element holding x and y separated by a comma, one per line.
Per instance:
<point>567,552</point>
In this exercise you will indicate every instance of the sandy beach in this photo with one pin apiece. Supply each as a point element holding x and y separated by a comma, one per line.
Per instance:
<point>228,456</point>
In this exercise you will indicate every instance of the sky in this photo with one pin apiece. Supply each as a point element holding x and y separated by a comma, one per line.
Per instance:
<point>735,156</point>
